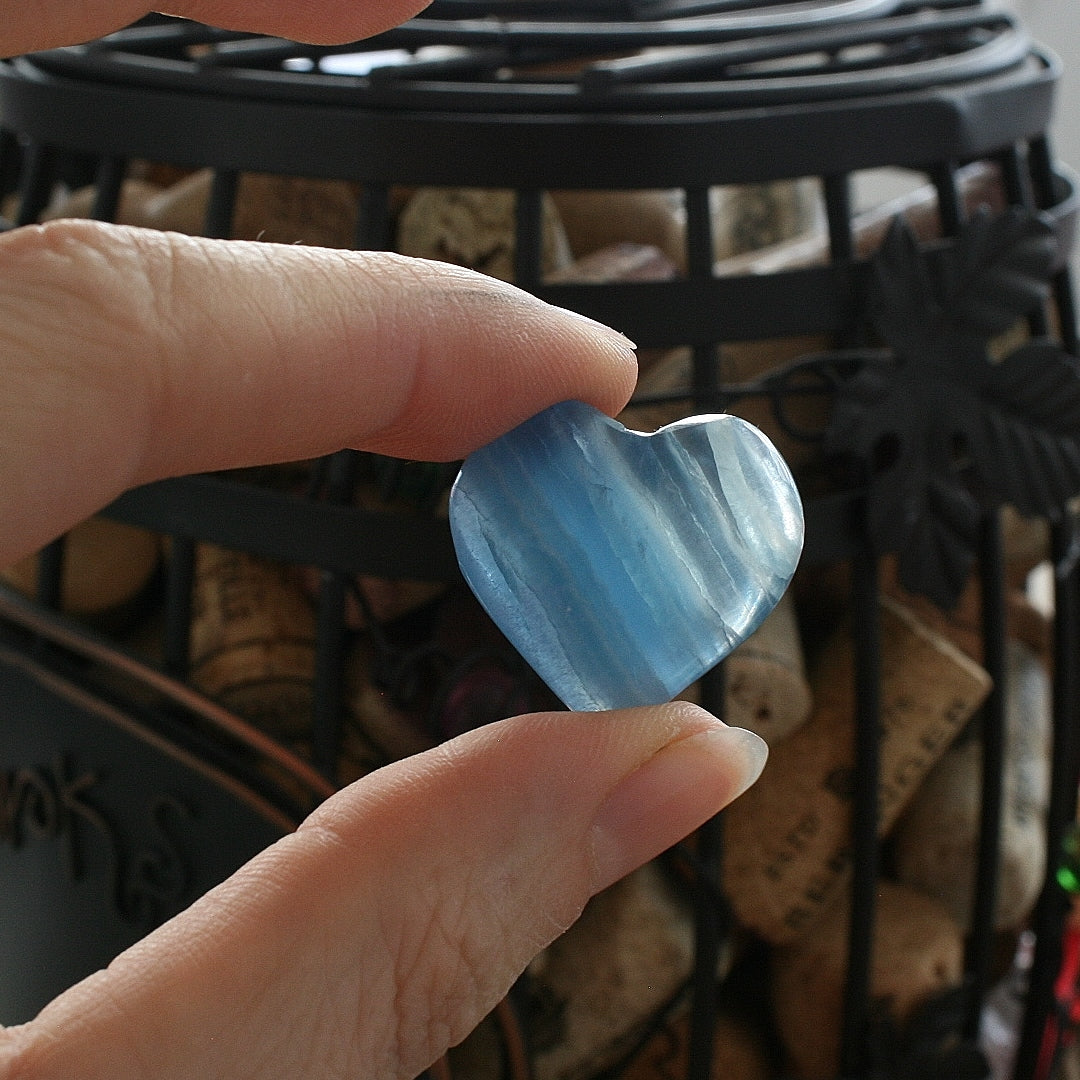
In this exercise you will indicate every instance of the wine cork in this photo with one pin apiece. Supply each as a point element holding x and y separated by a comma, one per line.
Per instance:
<point>1070,1062</point>
<point>936,839</point>
<point>788,839</point>
<point>748,217</point>
<point>738,1052</point>
<point>296,210</point>
<point>163,174</point>
<point>107,568</point>
<point>624,261</point>
<point>270,208</point>
<point>253,640</point>
<point>392,731</point>
<point>917,954</point>
<point>962,624</point>
<point>766,687</point>
<point>181,207</point>
<point>765,684</point>
<point>385,599</point>
<point>475,227</point>
<point>1026,543</point>
<point>178,207</point>
<point>825,593</point>
<point>769,228</point>
<point>606,977</point>
<point>744,217</point>
<point>136,197</point>
<point>595,220</point>
<point>979,184</point>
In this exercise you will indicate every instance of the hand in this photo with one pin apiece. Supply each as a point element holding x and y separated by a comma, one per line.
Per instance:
<point>131,355</point>
<point>50,23</point>
<point>402,910</point>
<point>381,933</point>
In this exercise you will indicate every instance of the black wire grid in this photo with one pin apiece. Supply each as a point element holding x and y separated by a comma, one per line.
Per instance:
<point>724,93</point>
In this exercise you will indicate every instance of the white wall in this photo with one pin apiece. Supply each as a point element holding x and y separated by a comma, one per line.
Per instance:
<point>1056,24</point>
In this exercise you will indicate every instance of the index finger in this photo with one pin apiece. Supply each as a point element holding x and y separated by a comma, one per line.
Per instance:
<point>131,355</point>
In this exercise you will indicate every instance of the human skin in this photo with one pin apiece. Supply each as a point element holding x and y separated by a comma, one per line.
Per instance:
<point>401,911</point>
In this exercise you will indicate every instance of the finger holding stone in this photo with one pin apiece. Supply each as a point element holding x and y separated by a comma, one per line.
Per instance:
<point>402,911</point>
<point>132,355</point>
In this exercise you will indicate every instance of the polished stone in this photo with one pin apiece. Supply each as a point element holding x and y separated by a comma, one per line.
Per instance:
<point>623,566</point>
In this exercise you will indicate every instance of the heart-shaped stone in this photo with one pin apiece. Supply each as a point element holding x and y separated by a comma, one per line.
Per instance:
<point>622,566</point>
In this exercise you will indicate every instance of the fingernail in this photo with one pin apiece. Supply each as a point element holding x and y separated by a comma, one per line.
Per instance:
<point>678,789</point>
<point>613,335</point>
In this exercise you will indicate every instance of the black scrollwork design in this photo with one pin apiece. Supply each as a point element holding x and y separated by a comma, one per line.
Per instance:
<point>156,877</point>
<point>52,803</point>
<point>48,803</point>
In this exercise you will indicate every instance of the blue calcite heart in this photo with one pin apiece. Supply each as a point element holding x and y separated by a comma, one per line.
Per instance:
<point>623,566</point>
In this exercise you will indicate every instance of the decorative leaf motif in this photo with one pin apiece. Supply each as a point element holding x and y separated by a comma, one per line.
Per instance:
<point>997,274</point>
<point>941,433</point>
<point>917,502</point>
<point>1020,428</point>
<point>902,303</point>
<point>941,549</point>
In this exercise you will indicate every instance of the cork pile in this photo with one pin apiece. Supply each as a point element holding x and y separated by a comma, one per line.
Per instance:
<point>611,991</point>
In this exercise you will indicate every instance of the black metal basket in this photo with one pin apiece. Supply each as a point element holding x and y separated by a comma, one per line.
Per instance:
<point>681,96</point>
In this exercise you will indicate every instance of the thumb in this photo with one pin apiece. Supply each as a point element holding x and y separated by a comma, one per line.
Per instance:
<point>400,913</point>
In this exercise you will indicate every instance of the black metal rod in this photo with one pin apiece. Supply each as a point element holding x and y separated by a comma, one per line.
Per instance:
<point>373,220</point>
<point>1044,178</point>
<point>286,527</point>
<point>699,232</point>
<point>699,262</point>
<point>837,191</point>
<point>711,919</point>
<point>854,1050</point>
<point>50,574</point>
<point>108,186</point>
<point>1015,177</point>
<point>950,199</point>
<point>35,183</point>
<point>981,942</point>
<point>219,210</point>
<point>330,649</point>
<point>1065,298</point>
<point>1026,186</point>
<point>10,162</point>
<point>331,634</point>
<point>179,587</point>
<point>529,239</point>
<point>1052,907</point>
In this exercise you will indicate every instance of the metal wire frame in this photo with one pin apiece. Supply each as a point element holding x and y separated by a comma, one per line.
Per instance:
<point>760,57</point>
<point>324,532</point>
